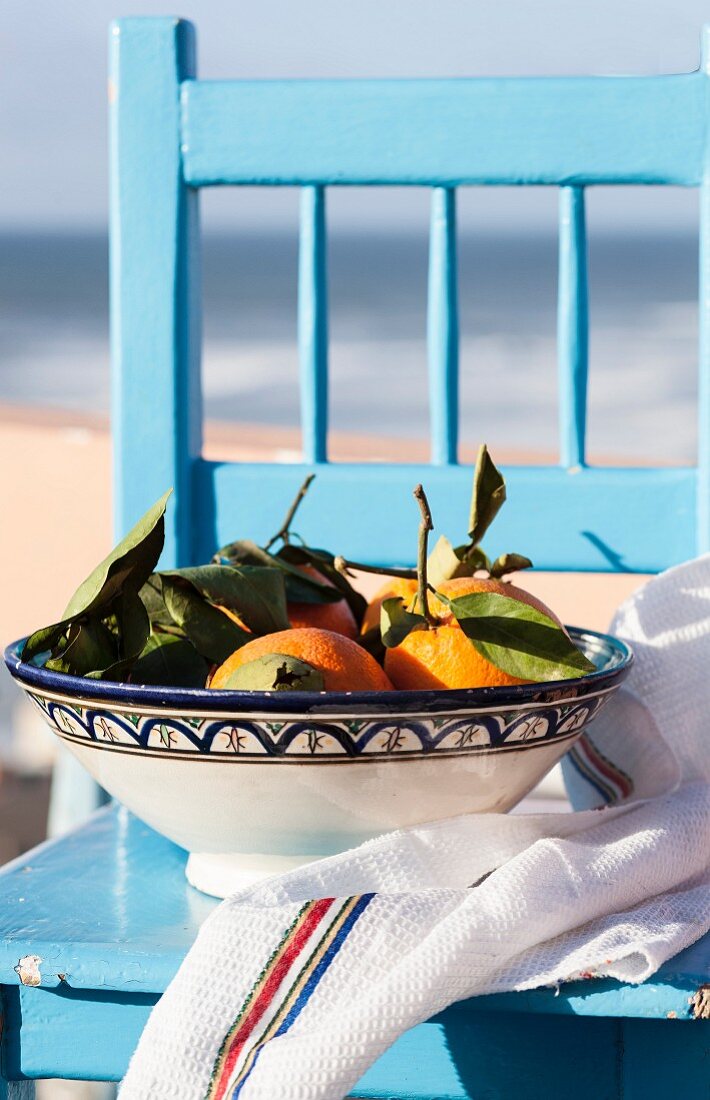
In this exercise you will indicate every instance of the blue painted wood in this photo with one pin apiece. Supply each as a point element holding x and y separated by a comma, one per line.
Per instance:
<point>313,325</point>
<point>600,518</point>
<point>496,1058</point>
<point>632,122</point>
<point>156,392</point>
<point>108,908</point>
<point>665,1059</point>
<point>460,1056</point>
<point>446,132</point>
<point>156,405</point>
<point>448,1058</point>
<point>111,916</point>
<point>443,328</point>
<point>572,327</point>
<point>94,1032</point>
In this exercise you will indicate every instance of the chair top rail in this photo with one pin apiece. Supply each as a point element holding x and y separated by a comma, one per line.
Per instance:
<point>600,519</point>
<point>532,130</point>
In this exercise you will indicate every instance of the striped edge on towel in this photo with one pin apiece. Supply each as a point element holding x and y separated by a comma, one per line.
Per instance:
<point>284,987</point>
<point>607,778</point>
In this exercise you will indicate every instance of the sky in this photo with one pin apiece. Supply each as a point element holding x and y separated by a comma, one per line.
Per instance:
<point>53,101</point>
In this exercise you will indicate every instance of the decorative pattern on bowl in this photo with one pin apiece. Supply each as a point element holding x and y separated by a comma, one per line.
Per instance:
<point>335,739</point>
<point>255,783</point>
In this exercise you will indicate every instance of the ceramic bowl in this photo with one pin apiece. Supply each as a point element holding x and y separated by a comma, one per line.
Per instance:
<point>255,783</point>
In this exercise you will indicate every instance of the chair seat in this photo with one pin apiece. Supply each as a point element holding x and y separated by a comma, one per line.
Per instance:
<point>103,917</point>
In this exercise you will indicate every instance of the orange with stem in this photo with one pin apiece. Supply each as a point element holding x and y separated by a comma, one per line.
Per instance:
<point>438,654</point>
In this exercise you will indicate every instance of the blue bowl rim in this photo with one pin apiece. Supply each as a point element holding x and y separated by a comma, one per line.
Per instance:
<point>300,702</point>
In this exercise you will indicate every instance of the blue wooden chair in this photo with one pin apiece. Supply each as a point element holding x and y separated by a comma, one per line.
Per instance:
<point>95,924</point>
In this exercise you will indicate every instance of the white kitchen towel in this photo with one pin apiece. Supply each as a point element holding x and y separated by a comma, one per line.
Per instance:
<point>294,987</point>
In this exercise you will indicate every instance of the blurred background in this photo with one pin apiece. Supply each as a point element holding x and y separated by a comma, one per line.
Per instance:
<point>643,276</point>
<point>54,365</point>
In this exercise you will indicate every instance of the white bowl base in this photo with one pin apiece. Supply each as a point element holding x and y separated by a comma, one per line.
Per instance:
<point>221,874</point>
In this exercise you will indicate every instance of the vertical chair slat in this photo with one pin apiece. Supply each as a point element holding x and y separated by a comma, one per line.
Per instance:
<point>156,408</point>
<point>313,325</point>
<point>443,328</point>
<point>572,326</point>
<point>155,328</point>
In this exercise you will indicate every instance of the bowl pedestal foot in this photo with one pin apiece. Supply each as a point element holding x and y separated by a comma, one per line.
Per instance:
<point>221,874</point>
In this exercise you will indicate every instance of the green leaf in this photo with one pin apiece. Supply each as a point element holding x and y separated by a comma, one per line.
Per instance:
<point>169,661</point>
<point>92,643</point>
<point>518,638</point>
<point>242,552</point>
<point>134,624</point>
<point>90,648</point>
<point>45,639</point>
<point>299,587</point>
<point>276,672</point>
<point>133,632</point>
<point>488,495</point>
<point>84,641</point>
<point>256,593</point>
<point>94,649</point>
<point>396,622</point>
<point>323,561</point>
<point>133,560</point>
<point>213,634</point>
<point>509,563</point>
<point>443,562</point>
<point>446,561</point>
<point>151,595</point>
<point>472,559</point>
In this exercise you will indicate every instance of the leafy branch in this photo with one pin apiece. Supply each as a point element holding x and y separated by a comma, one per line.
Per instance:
<point>510,633</point>
<point>487,498</point>
<point>128,622</point>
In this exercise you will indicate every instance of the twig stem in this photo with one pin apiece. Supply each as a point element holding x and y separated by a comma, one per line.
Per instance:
<point>425,527</point>
<point>284,531</point>
<point>343,566</point>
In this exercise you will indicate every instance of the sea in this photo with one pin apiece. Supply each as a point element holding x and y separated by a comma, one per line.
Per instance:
<point>643,334</point>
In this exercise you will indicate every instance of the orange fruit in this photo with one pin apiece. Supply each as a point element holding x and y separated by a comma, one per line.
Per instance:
<point>323,616</point>
<point>345,665</point>
<point>443,657</point>
<point>395,586</point>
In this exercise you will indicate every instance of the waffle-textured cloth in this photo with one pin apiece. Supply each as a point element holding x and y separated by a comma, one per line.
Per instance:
<point>290,997</point>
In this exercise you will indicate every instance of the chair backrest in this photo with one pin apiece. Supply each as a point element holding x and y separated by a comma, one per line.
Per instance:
<point>172,134</point>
